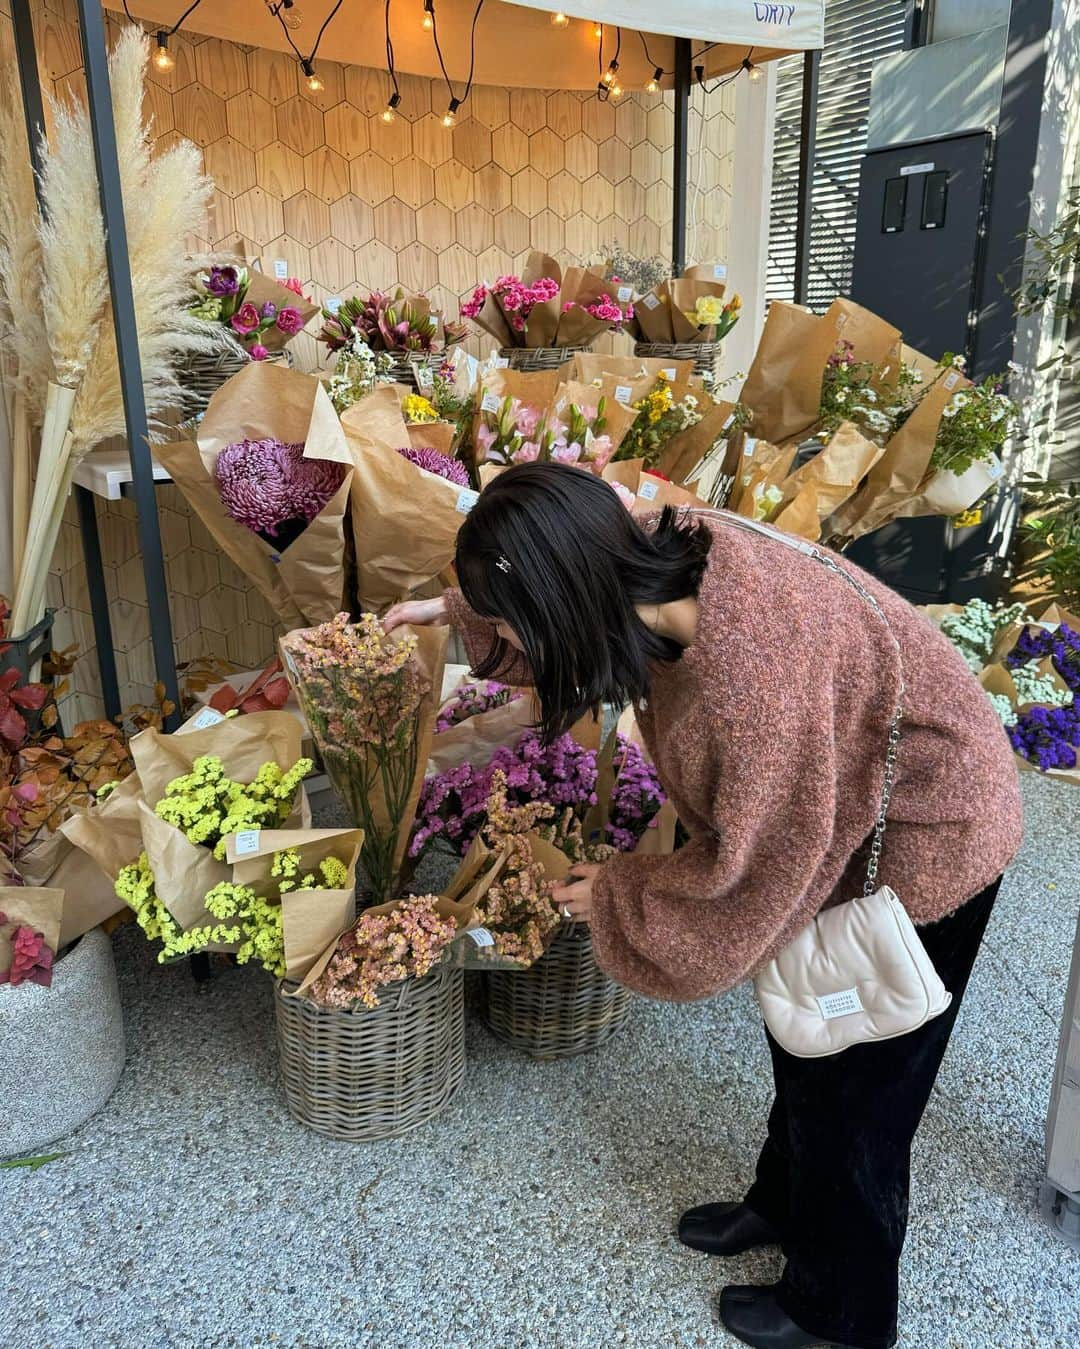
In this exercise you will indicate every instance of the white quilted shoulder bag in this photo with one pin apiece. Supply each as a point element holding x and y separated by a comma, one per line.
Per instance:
<point>859,972</point>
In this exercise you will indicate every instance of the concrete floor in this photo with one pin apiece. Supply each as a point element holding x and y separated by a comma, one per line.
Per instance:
<point>538,1210</point>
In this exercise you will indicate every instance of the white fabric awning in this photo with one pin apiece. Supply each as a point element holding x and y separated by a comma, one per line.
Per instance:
<point>798,26</point>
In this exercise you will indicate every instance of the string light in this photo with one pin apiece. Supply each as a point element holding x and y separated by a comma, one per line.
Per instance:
<point>753,72</point>
<point>449,117</point>
<point>307,63</point>
<point>560,21</point>
<point>163,59</point>
<point>282,9</point>
<point>313,82</point>
<point>388,113</point>
<point>653,86</point>
<point>427,23</point>
<point>609,74</point>
<point>598,30</point>
<point>615,90</point>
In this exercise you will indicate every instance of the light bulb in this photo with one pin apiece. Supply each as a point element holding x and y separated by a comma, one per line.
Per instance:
<point>598,30</point>
<point>449,117</point>
<point>315,84</point>
<point>388,114</point>
<point>653,86</point>
<point>615,89</point>
<point>426,23</point>
<point>609,76</point>
<point>163,57</point>
<point>559,21</point>
<point>755,74</point>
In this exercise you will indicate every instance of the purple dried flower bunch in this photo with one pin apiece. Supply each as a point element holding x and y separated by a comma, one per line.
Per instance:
<point>470,700</point>
<point>453,804</point>
<point>1049,737</point>
<point>269,487</point>
<point>434,461</point>
<point>636,796</point>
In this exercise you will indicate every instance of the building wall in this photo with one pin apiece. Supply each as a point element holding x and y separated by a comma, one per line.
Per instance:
<point>349,202</point>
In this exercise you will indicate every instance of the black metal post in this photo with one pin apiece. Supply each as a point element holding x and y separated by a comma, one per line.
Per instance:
<point>681,172</point>
<point>807,149</point>
<point>99,600</point>
<point>33,109</point>
<point>95,58</point>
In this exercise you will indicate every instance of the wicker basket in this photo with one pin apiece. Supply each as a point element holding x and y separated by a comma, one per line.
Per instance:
<point>538,358</point>
<point>202,375</point>
<point>364,1074</point>
<point>705,355</point>
<point>404,367</point>
<point>562,1005</point>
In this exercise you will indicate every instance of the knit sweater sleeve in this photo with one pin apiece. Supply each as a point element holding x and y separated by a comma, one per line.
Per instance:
<point>697,922</point>
<point>479,636</point>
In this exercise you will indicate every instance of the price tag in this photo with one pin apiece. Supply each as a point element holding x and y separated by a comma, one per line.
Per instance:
<point>247,842</point>
<point>502,362</point>
<point>651,301</point>
<point>669,373</point>
<point>424,377</point>
<point>727,421</point>
<point>491,402</point>
<point>719,271</point>
<point>624,293</point>
<point>994,469</point>
<point>648,490</point>
<point>209,716</point>
<point>749,447</point>
<point>281,268</point>
<point>467,499</point>
<point>623,393</point>
<point>481,936</point>
<point>951,380</point>
<point>333,304</point>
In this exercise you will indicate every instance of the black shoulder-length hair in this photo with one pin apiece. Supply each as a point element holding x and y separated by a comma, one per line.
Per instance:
<point>553,552</point>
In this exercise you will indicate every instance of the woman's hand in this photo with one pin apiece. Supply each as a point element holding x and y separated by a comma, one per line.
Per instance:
<point>574,896</point>
<point>417,613</point>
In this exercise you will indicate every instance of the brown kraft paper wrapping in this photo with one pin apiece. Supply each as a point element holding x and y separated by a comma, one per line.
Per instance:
<point>37,907</point>
<point>654,493</point>
<point>687,450</point>
<point>305,582</point>
<point>262,288</point>
<point>405,520</point>
<point>432,436</point>
<point>653,315</point>
<point>837,470</point>
<point>783,387</point>
<point>108,832</point>
<point>310,919</point>
<point>184,872</point>
<point>618,419</point>
<point>587,366</point>
<point>477,738</point>
<point>89,895</point>
<point>685,293</point>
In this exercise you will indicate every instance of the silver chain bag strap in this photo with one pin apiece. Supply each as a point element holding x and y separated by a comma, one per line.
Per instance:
<point>859,972</point>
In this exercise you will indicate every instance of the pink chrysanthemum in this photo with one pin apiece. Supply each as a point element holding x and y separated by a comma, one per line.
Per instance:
<point>434,461</point>
<point>263,484</point>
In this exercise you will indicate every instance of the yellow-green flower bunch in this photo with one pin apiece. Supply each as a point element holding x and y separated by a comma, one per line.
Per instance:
<point>135,886</point>
<point>285,867</point>
<point>417,410</point>
<point>206,806</point>
<point>659,417</point>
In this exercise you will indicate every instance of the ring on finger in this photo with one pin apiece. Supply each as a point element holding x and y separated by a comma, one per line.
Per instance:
<point>566,913</point>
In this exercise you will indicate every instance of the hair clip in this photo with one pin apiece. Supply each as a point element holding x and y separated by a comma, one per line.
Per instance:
<point>503,564</point>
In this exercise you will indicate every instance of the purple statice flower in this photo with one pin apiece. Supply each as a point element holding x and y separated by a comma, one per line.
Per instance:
<point>635,798</point>
<point>452,804</point>
<point>265,484</point>
<point>470,700</point>
<point>1061,644</point>
<point>269,309</point>
<point>1048,737</point>
<point>434,461</point>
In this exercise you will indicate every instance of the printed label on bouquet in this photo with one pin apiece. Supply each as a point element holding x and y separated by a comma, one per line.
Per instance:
<point>247,842</point>
<point>719,271</point>
<point>467,499</point>
<point>209,716</point>
<point>843,1003</point>
<point>994,469</point>
<point>424,378</point>
<point>333,304</point>
<point>491,402</point>
<point>481,936</point>
<point>727,421</point>
<point>623,394</point>
<point>951,380</point>
<point>669,373</point>
<point>749,447</point>
<point>648,490</point>
<point>502,362</point>
<point>651,301</point>
<point>624,293</point>
<point>281,269</point>
<point>907,169</point>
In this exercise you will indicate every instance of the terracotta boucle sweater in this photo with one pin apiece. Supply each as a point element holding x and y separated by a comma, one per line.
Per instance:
<point>769,735</point>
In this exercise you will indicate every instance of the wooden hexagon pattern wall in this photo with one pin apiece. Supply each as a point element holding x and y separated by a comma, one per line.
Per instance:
<point>348,202</point>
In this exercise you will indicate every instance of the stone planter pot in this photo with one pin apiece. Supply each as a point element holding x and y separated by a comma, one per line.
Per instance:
<point>61,1048</point>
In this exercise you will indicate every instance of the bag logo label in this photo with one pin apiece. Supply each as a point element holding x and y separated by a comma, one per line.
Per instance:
<point>843,1003</point>
<point>481,936</point>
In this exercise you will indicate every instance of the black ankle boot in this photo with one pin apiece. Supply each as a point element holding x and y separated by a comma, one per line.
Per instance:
<point>754,1316</point>
<point>725,1229</point>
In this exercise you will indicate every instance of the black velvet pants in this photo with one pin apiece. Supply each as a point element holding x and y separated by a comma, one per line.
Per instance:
<point>833,1174</point>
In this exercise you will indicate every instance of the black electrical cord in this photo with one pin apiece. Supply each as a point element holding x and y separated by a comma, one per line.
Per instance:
<point>603,90</point>
<point>169,32</point>
<point>305,60</point>
<point>457,102</point>
<point>390,52</point>
<point>655,65</point>
<point>699,72</point>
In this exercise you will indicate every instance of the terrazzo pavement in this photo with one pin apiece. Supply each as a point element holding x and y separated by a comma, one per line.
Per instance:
<point>538,1210</point>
